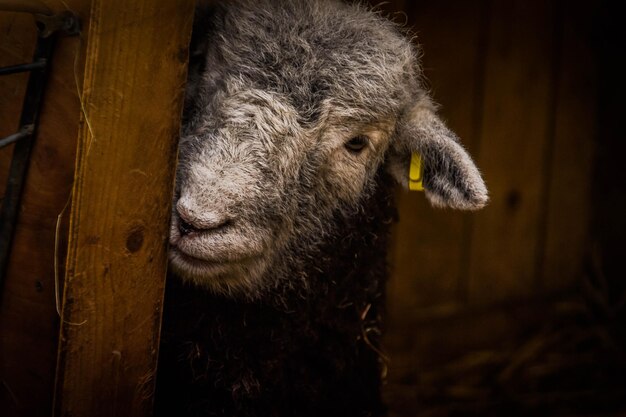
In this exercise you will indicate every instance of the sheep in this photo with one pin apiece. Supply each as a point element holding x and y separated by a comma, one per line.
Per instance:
<point>299,118</point>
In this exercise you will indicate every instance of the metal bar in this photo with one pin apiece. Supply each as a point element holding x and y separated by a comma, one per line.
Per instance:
<point>65,21</point>
<point>31,66</point>
<point>30,6</point>
<point>21,151</point>
<point>24,132</point>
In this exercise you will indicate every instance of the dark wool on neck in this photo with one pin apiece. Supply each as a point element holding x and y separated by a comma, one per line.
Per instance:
<point>310,354</point>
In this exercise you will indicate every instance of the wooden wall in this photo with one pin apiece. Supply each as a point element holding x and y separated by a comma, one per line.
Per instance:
<point>104,159</point>
<point>516,83</point>
<point>121,207</point>
<point>475,298</point>
<point>28,316</point>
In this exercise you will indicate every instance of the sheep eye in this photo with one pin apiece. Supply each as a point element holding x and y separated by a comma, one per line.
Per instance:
<point>357,144</point>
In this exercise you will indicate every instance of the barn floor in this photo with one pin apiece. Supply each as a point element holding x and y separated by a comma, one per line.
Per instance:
<point>561,356</point>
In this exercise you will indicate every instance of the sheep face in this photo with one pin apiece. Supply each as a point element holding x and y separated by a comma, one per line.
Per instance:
<point>260,187</point>
<point>292,109</point>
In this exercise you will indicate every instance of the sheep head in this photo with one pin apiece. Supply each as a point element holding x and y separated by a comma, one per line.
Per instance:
<point>292,109</point>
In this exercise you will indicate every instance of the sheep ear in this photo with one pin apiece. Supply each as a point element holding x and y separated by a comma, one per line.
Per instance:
<point>450,178</point>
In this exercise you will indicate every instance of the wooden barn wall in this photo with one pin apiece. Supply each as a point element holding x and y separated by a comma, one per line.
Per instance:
<point>515,82</point>
<point>28,316</point>
<point>121,207</point>
<point>475,298</point>
<point>105,360</point>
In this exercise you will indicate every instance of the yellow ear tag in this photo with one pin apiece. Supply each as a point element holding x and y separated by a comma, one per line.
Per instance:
<point>416,173</point>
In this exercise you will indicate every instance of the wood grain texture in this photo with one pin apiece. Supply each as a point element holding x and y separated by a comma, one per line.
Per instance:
<point>569,182</point>
<point>517,128</point>
<point>430,244</point>
<point>135,73</point>
<point>28,317</point>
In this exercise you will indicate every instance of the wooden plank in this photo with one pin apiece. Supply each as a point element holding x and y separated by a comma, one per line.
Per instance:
<point>517,133</point>
<point>429,248</point>
<point>133,91</point>
<point>568,208</point>
<point>28,317</point>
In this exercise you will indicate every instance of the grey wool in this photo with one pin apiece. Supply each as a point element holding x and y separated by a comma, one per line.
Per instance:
<point>299,118</point>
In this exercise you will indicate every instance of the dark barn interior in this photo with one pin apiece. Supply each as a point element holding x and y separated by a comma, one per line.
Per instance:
<point>516,310</point>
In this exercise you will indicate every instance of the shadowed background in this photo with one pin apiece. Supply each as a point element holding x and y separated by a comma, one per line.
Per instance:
<point>517,310</point>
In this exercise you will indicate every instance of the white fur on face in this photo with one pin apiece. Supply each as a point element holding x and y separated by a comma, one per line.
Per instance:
<point>243,186</point>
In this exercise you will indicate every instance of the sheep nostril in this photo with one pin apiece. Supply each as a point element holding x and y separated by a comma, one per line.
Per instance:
<point>185,228</point>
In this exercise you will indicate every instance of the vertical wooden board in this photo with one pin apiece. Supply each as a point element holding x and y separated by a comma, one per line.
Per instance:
<point>567,244</point>
<point>429,245</point>
<point>135,73</point>
<point>516,136</point>
<point>28,317</point>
